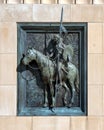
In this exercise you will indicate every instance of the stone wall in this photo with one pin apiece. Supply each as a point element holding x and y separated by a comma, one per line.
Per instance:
<point>53,1</point>
<point>9,16</point>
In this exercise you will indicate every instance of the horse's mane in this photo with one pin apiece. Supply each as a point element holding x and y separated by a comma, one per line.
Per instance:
<point>43,59</point>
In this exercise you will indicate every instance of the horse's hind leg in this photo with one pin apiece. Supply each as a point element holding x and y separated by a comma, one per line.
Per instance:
<point>73,93</point>
<point>46,97</point>
<point>66,92</point>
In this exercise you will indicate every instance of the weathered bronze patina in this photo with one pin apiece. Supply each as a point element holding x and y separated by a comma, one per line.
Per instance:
<point>56,68</point>
<point>52,69</point>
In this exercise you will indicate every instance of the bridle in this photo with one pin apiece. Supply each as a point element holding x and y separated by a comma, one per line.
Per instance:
<point>33,68</point>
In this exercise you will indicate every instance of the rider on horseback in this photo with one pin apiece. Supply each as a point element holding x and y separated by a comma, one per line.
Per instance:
<point>55,53</point>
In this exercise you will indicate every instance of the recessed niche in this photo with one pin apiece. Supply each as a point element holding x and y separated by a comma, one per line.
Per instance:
<point>31,86</point>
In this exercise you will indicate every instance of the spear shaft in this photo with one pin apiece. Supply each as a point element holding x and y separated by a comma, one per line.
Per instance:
<point>60,30</point>
<point>58,58</point>
<point>58,75</point>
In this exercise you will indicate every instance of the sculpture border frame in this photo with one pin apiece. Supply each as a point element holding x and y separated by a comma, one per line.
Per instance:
<point>81,28</point>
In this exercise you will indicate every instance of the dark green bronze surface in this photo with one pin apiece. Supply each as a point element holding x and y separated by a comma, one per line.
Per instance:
<point>30,84</point>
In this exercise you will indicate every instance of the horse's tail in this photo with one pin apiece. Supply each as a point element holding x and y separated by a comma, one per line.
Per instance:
<point>77,82</point>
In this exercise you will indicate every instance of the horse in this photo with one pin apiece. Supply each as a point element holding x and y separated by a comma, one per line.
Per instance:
<point>48,71</point>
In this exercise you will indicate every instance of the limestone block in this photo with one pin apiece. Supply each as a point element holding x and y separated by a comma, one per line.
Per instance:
<point>8,65</point>
<point>95,68</point>
<point>95,37</point>
<point>87,13</point>
<point>8,101</point>
<point>95,100</point>
<point>51,13</point>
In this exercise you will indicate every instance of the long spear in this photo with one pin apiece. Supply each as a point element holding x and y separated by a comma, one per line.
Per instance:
<point>58,75</point>
<point>60,29</point>
<point>60,34</point>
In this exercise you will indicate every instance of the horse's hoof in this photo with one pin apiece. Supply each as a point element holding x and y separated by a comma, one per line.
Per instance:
<point>52,106</point>
<point>70,105</point>
<point>52,110</point>
<point>45,105</point>
<point>66,105</point>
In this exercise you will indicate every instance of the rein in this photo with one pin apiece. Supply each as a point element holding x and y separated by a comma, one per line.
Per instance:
<point>33,68</point>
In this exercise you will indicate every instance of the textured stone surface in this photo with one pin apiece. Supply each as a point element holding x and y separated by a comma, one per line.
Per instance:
<point>78,123</point>
<point>15,12</point>
<point>15,123</point>
<point>95,69</point>
<point>48,1</point>
<point>95,100</point>
<point>13,1</point>
<point>103,38</point>
<point>1,1</point>
<point>95,37</point>
<point>66,1</point>
<point>51,123</point>
<point>8,37</point>
<point>83,1</point>
<point>32,1</point>
<point>103,102</point>
<point>98,1</point>
<point>94,123</point>
<point>8,100</point>
<point>8,74</point>
<point>50,13</point>
<point>87,13</point>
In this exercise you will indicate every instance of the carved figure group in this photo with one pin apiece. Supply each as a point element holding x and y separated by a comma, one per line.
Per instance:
<point>56,67</point>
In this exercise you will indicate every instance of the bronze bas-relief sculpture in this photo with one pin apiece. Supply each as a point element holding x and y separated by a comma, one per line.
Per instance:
<point>56,68</point>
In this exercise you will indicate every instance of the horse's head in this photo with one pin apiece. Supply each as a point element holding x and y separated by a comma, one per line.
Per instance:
<point>30,55</point>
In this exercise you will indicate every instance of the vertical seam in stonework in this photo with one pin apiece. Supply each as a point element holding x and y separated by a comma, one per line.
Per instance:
<point>102,99</point>
<point>32,123</point>
<point>102,36</point>
<point>69,123</point>
<point>87,123</point>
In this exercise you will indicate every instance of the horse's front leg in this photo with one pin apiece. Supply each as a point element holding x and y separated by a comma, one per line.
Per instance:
<point>46,97</point>
<point>52,94</point>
